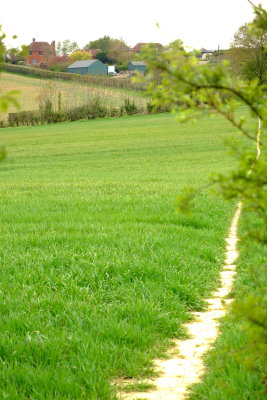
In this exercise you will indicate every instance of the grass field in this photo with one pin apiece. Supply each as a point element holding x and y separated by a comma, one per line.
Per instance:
<point>98,268</point>
<point>34,90</point>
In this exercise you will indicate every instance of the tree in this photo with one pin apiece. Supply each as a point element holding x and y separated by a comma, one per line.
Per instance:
<point>80,55</point>
<point>119,52</point>
<point>103,57</point>
<point>66,47</point>
<point>192,90</point>
<point>58,63</point>
<point>247,54</point>
<point>16,54</point>
<point>59,49</point>
<point>103,43</point>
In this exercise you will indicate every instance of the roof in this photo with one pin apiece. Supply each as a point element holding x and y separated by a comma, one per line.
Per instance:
<point>136,63</point>
<point>83,63</point>
<point>40,46</point>
<point>94,51</point>
<point>138,46</point>
<point>205,50</point>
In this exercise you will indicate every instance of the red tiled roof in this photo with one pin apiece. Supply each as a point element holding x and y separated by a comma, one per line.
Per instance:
<point>94,52</point>
<point>40,46</point>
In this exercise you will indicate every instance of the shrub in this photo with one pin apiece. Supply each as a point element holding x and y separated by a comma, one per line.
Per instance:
<point>130,107</point>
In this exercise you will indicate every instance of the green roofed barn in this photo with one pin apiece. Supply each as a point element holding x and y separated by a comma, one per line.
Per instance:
<point>88,67</point>
<point>140,66</point>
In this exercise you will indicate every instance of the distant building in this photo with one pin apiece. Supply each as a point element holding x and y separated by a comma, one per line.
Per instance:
<point>111,69</point>
<point>88,67</point>
<point>94,52</point>
<point>40,52</point>
<point>140,66</point>
<point>205,54</point>
<point>138,47</point>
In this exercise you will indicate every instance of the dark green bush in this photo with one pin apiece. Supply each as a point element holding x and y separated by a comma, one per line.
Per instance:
<point>130,107</point>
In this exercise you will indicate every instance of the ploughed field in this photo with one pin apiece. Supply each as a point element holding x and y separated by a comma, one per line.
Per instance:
<point>98,269</point>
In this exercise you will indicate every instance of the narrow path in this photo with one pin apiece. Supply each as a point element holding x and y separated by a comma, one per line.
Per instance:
<point>185,365</point>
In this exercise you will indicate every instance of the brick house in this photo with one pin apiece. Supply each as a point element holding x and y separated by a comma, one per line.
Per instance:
<point>40,52</point>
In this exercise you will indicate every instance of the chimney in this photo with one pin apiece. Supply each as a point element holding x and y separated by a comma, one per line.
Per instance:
<point>53,47</point>
<point>33,39</point>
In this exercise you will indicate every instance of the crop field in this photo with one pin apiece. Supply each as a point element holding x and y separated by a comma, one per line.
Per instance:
<point>33,91</point>
<point>98,269</point>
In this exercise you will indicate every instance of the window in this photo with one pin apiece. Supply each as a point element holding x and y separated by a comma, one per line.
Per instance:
<point>34,62</point>
<point>41,53</point>
<point>30,53</point>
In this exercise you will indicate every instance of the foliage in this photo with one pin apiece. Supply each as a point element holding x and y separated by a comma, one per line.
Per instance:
<point>130,107</point>
<point>121,67</point>
<point>66,47</point>
<point>247,56</point>
<point>192,90</point>
<point>103,57</point>
<point>119,52</point>
<point>153,50</point>
<point>103,44</point>
<point>16,54</point>
<point>91,110</point>
<point>58,63</point>
<point>115,50</point>
<point>8,98</point>
<point>79,55</point>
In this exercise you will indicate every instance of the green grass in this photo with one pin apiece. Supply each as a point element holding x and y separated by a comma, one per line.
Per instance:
<point>138,387</point>
<point>73,94</point>
<point>98,268</point>
<point>235,371</point>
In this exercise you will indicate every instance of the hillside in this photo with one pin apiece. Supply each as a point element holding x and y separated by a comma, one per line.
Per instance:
<point>35,90</point>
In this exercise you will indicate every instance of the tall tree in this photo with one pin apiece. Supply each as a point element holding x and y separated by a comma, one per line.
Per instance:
<point>247,54</point>
<point>67,47</point>
<point>119,52</point>
<point>103,44</point>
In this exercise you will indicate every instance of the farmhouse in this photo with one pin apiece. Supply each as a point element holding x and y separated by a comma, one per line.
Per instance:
<point>40,52</point>
<point>88,67</point>
<point>140,66</point>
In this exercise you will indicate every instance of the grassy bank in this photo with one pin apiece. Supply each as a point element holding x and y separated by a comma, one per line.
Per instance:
<point>105,81</point>
<point>34,91</point>
<point>98,268</point>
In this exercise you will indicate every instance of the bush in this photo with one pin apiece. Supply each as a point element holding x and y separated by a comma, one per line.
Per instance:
<point>130,107</point>
<point>58,67</point>
<point>46,114</point>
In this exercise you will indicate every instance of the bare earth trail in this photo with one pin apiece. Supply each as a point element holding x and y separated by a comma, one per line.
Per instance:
<point>185,365</point>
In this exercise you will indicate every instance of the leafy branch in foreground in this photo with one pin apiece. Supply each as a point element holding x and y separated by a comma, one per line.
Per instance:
<point>179,81</point>
<point>9,98</point>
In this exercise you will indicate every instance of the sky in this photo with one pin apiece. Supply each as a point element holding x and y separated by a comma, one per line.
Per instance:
<point>198,23</point>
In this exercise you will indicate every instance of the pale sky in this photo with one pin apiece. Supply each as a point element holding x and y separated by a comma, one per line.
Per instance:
<point>199,23</point>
